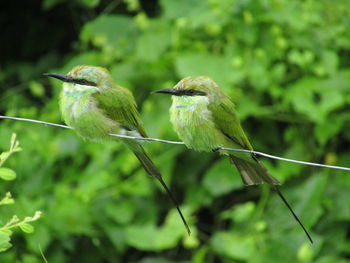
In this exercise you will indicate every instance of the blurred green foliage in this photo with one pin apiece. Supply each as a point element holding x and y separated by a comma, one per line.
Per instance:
<point>284,63</point>
<point>9,175</point>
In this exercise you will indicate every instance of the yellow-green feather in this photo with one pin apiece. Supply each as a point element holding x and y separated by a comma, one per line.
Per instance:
<point>96,111</point>
<point>205,123</point>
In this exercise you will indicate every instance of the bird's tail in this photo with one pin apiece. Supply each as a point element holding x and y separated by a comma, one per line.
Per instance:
<point>153,171</point>
<point>253,172</point>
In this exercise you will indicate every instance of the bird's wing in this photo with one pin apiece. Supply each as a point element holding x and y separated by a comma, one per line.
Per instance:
<point>226,120</point>
<point>119,104</point>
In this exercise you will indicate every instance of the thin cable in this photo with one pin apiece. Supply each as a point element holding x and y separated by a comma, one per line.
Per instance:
<point>182,143</point>
<point>286,159</point>
<point>35,121</point>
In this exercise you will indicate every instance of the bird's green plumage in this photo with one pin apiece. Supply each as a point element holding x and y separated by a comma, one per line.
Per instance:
<point>205,119</point>
<point>212,117</point>
<point>94,106</point>
<point>96,111</point>
<point>205,123</point>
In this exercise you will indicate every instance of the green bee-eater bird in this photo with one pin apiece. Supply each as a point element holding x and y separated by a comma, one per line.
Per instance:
<point>94,106</point>
<point>205,119</point>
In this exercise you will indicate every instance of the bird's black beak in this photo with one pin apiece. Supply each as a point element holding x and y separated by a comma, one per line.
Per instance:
<point>59,76</point>
<point>168,91</point>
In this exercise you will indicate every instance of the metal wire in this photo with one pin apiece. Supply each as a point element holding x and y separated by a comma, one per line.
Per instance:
<point>182,143</point>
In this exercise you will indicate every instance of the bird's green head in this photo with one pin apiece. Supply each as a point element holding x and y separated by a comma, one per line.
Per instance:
<point>192,86</point>
<point>85,76</point>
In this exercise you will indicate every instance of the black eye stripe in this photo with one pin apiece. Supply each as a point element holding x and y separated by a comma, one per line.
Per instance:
<point>193,92</point>
<point>84,82</point>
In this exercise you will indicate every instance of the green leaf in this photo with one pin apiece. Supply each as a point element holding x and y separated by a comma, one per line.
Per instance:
<point>329,61</point>
<point>337,197</point>
<point>37,89</point>
<point>7,174</point>
<point>151,238</point>
<point>89,3</point>
<point>179,8</point>
<point>6,231</point>
<point>152,45</point>
<point>305,253</point>
<point>326,130</point>
<point>331,99</point>
<point>314,97</point>
<point>7,200</point>
<point>222,178</point>
<point>240,213</point>
<point>142,237</point>
<point>4,241</point>
<point>216,66</point>
<point>121,212</point>
<point>302,97</point>
<point>110,31</point>
<point>26,228</point>
<point>233,246</point>
<point>192,241</point>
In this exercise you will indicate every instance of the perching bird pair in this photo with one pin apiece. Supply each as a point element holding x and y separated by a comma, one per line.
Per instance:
<point>202,115</point>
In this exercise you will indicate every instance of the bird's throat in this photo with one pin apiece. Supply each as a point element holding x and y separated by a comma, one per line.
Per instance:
<point>190,102</point>
<point>76,90</point>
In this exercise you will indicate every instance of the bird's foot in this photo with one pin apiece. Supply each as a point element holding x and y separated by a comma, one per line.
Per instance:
<point>216,149</point>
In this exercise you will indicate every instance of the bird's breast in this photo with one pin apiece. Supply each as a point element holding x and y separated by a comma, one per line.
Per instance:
<point>193,122</point>
<point>187,110</point>
<point>75,104</point>
<point>81,111</point>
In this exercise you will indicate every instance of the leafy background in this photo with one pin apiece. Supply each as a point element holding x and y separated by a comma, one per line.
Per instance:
<point>286,64</point>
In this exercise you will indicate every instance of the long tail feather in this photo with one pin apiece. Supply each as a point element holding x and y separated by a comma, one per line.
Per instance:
<point>160,179</point>
<point>254,172</point>
<point>152,170</point>
<point>275,188</point>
